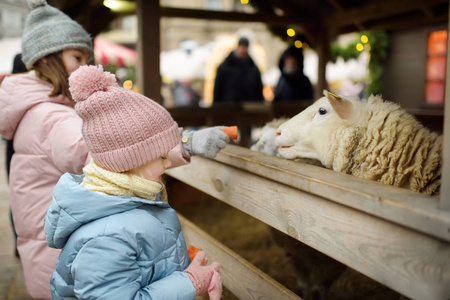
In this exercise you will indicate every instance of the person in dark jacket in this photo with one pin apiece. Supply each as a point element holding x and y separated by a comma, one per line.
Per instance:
<point>293,84</point>
<point>238,78</point>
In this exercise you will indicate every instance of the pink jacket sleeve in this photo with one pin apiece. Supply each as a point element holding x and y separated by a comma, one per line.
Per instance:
<point>177,155</point>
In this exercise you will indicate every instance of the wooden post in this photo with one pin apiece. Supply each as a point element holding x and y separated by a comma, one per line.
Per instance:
<point>445,186</point>
<point>149,78</point>
<point>323,50</point>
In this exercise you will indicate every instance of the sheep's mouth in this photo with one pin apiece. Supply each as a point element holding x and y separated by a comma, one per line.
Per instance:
<point>286,147</point>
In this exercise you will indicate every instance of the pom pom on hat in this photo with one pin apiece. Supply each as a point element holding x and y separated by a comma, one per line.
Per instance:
<point>122,129</point>
<point>87,80</point>
<point>36,3</point>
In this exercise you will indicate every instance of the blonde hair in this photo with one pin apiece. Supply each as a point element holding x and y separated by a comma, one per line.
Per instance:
<point>163,196</point>
<point>51,69</point>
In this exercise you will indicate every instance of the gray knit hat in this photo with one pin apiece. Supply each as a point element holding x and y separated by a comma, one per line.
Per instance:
<point>48,30</point>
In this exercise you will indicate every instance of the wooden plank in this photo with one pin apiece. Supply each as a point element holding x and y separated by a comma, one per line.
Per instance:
<point>405,260</point>
<point>323,47</point>
<point>404,22</point>
<point>149,79</point>
<point>242,278</point>
<point>398,205</point>
<point>267,18</point>
<point>378,11</point>
<point>445,188</point>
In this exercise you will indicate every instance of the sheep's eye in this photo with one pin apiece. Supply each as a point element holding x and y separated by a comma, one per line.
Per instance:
<point>322,111</point>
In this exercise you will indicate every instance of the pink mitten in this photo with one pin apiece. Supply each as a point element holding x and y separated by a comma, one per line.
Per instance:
<point>215,288</point>
<point>200,274</point>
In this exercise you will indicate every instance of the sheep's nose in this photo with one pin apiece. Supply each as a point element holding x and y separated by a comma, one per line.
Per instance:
<point>278,132</point>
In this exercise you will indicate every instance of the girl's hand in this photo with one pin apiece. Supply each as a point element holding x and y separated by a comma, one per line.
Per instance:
<point>202,275</point>
<point>205,142</point>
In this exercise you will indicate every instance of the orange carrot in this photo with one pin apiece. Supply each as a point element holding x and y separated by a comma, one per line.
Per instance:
<point>232,132</point>
<point>192,251</point>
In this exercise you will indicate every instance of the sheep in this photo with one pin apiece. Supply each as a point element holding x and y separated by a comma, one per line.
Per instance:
<point>266,142</point>
<point>373,139</point>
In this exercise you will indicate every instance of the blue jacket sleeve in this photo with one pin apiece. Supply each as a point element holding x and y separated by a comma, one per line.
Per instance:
<point>106,268</point>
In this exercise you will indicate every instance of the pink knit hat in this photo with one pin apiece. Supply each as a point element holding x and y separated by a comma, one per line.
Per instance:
<point>122,129</point>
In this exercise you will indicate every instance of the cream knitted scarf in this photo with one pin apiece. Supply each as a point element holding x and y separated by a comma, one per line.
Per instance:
<point>100,180</point>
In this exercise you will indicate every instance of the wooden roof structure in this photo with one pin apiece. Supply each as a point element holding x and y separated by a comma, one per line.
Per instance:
<point>340,15</point>
<point>319,21</point>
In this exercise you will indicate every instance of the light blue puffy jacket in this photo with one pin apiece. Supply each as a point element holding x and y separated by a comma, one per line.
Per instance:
<point>115,247</point>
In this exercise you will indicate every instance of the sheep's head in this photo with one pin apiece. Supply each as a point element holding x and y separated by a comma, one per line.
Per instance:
<point>266,142</point>
<point>310,134</point>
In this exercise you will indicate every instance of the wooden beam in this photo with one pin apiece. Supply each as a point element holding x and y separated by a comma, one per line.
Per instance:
<point>341,6</point>
<point>414,210</point>
<point>445,188</point>
<point>239,276</point>
<point>405,22</point>
<point>323,51</point>
<point>413,263</point>
<point>267,18</point>
<point>149,79</point>
<point>378,11</point>
<point>427,12</point>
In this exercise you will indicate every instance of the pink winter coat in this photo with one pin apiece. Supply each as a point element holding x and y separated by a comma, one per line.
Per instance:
<point>47,143</point>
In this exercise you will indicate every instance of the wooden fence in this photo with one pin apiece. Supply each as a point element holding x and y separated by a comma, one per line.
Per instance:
<point>396,237</point>
<point>248,115</point>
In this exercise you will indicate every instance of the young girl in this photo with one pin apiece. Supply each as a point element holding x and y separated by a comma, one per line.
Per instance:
<point>37,111</point>
<point>120,238</point>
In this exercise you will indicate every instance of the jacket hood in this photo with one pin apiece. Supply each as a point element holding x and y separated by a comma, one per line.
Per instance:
<point>295,52</point>
<point>19,93</point>
<point>73,206</point>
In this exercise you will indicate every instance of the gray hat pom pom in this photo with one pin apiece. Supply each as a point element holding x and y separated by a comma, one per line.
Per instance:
<point>36,3</point>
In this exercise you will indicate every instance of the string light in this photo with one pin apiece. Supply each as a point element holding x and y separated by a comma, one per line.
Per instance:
<point>359,47</point>
<point>244,1</point>
<point>364,39</point>
<point>128,84</point>
<point>290,32</point>
<point>120,6</point>
<point>298,44</point>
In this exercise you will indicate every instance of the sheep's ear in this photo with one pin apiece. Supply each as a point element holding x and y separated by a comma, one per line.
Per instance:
<point>341,106</point>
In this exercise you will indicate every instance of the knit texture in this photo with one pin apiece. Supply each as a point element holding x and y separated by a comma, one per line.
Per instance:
<point>100,180</point>
<point>122,129</point>
<point>205,142</point>
<point>202,275</point>
<point>48,30</point>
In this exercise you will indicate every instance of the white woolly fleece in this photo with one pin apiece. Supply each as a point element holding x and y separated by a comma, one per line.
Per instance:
<point>386,144</point>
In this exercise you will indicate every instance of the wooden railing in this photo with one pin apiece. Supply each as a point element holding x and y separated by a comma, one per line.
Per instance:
<point>247,115</point>
<point>396,237</point>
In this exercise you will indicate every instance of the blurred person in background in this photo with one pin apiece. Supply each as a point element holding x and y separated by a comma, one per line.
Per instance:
<point>238,78</point>
<point>293,84</point>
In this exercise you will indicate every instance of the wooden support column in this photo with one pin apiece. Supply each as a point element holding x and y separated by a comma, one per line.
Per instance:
<point>323,51</point>
<point>445,186</point>
<point>149,78</point>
